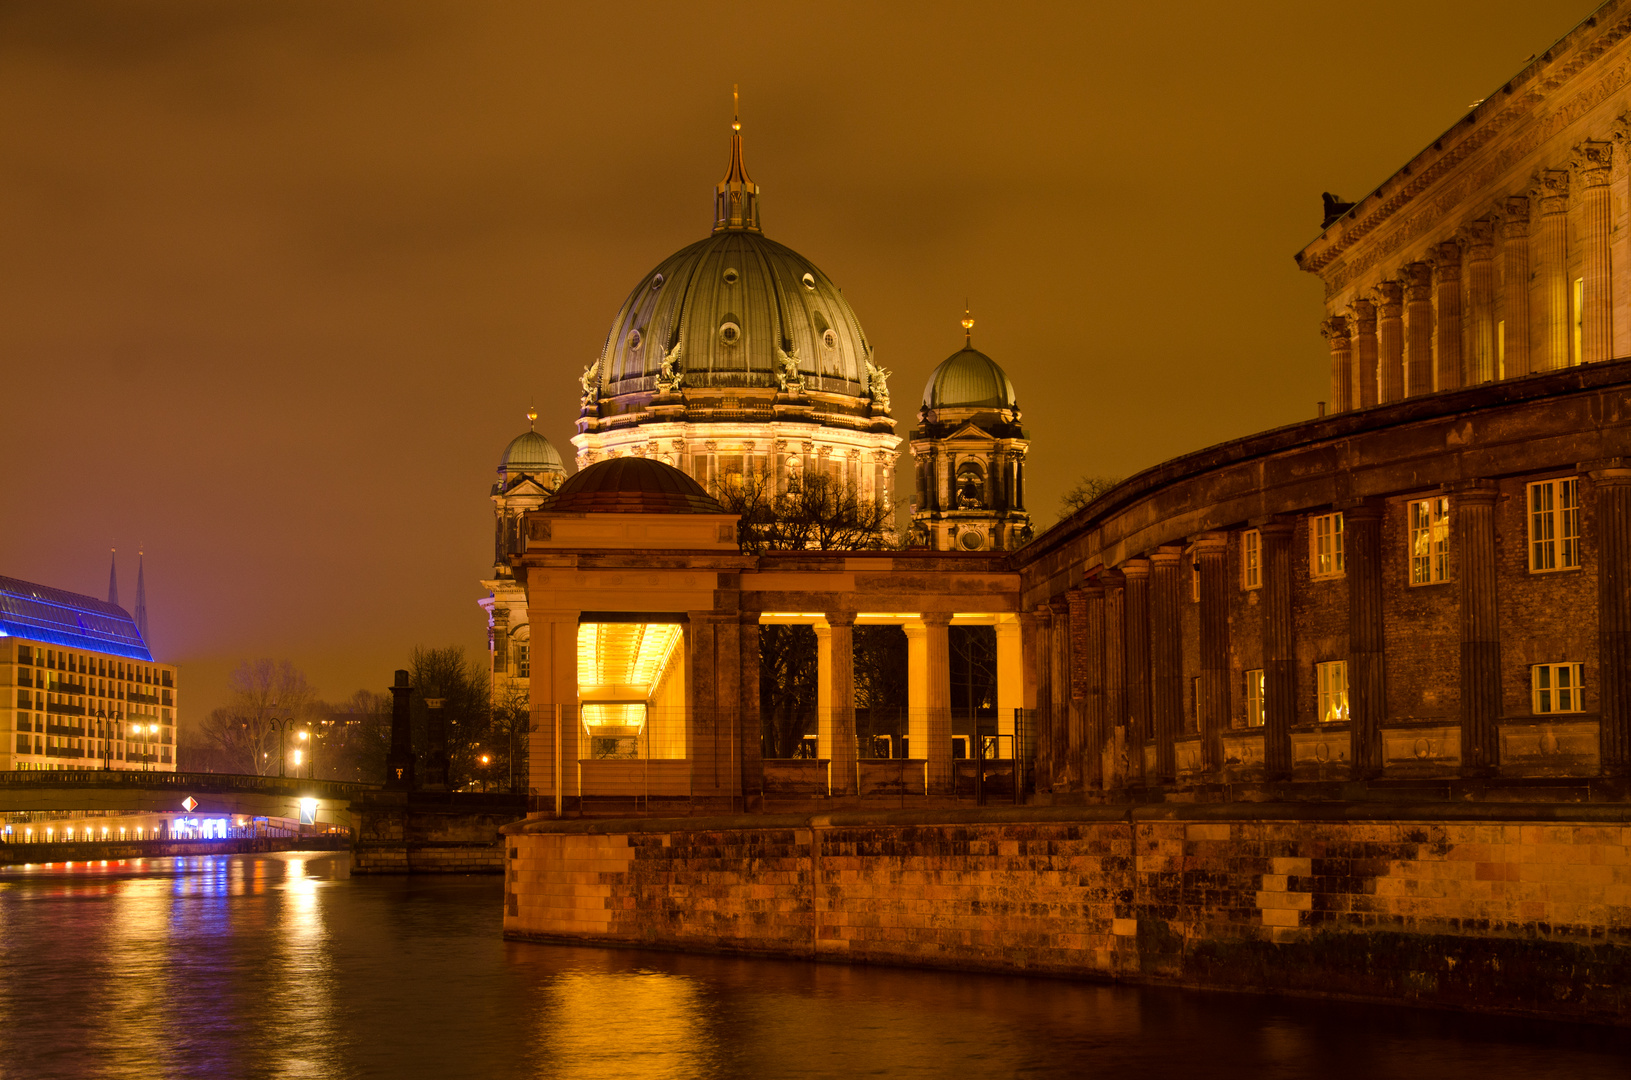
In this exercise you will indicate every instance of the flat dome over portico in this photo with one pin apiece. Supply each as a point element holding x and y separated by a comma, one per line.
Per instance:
<point>631,485</point>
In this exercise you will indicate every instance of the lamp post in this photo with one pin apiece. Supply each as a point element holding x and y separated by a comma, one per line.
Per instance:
<point>281,725</point>
<point>485,761</point>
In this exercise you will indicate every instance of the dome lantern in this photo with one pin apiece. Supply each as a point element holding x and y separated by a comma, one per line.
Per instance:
<point>736,198</point>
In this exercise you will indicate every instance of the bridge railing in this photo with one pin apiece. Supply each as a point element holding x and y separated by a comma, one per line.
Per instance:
<point>211,782</point>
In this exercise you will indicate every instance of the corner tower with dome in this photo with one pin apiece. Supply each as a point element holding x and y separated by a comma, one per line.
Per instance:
<point>969,453</point>
<point>528,473</point>
<point>738,355</point>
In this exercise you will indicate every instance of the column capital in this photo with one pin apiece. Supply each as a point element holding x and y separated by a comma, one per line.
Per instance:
<point>1112,579</point>
<point>1043,615</point>
<point>1473,492</point>
<point>1390,299</point>
<point>1446,262</point>
<point>1135,568</point>
<point>1212,543</point>
<point>1083,592</point>
<point>1607,471</point>
<point>840,618</point>
<point>1335,329</point>
<point>1591,161</point>
<point>935,618</point>
<point>1552,188</point>
<point>1361,509</point>
<point>1166,555</point>
<point>1275,524</point>
<point>1418,282</point>
<point>1059,607</point>
<point>1515,216</point>
<point>1479,239</point>
<point>1364,316</point>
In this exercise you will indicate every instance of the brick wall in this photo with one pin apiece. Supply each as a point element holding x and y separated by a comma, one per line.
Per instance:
<point>1529,914</point>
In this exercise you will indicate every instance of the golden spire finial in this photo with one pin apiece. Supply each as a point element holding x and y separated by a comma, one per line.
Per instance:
<point>968,327</point>
<point>736,109</point>
<point>532,416</point>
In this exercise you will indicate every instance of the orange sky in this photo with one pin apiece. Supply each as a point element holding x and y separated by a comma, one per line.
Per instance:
<point>278,280</point>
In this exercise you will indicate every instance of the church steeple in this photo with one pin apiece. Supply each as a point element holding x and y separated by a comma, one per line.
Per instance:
<point>141,596</point>
<point>736,198</point>
<point>113,577</point>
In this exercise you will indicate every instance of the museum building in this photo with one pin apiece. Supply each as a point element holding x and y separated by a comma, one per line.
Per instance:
<point>1432,582</point>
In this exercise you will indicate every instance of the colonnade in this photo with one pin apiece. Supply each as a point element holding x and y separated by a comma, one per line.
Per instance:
<point>1462,315</point>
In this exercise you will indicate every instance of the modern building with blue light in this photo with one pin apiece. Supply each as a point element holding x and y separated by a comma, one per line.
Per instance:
<point>79,688</point>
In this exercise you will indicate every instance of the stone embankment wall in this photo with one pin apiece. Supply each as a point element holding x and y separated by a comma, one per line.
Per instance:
<point>432,832</point>
<point>22,854</point>
<point>1514,908</point>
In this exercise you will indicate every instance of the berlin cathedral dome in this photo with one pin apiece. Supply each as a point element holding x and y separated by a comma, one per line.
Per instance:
<point>738,355</point>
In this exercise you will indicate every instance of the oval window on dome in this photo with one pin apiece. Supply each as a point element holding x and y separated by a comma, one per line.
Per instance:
<point>730,275</point>
<point>657,282</point>
<point>829,339</point>
<point>729,333</point>
<point>809,280</point>
<point>634,339</point>
<point>971,540</point>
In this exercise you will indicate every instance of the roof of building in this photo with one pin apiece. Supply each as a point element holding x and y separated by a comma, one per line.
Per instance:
<point>968,379</point>
<point>58,617</point>
<point>631,485</point>
<point>735,310</point>
<point>531,452</point>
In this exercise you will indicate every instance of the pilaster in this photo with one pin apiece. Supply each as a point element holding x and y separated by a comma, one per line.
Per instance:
<point>1336,332</point>
<point>1513,355</point>
<point>1447,301</point>
<point>1113,734</point>
<point>1166,657</point>
<point>1364,353</point>
<point>1136,634</point>
<point>1592,163</point>
<point>1279,649</point>
<point>1418,314</point>
<point>1367,691</point>
<point>1474,509</point>
<point>1479,238</point>
<point>1552,247</point>
<point>1611,485</point>
<point>1390,341</point>
<point>1211,552</point>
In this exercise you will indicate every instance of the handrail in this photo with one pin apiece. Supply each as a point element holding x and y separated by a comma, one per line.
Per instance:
<point>97,778</point>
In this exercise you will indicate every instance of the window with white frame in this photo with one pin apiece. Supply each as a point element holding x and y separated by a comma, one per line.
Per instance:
<point>1332,678</point>
<point>1251,559</point>
<point>1554,524</point>
<point>1254,697</point>
<point>1429,541</point>
<point>1325,546</point>
<point>1556,688</point>
<point>1194,581</point>
<point>523,661</point>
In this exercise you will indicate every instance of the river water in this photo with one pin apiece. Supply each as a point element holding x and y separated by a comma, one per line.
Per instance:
<point>285,966</point>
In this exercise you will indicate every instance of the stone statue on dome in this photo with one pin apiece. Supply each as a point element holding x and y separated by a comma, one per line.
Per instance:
<point>669,375</point>
<point>788,377</point>
<point>590,381</point>
<point>877,382</point>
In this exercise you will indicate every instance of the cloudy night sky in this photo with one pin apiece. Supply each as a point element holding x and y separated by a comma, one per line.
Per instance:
<point>278,281</point>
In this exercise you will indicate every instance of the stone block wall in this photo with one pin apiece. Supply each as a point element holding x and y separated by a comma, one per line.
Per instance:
<point>1529,913</point>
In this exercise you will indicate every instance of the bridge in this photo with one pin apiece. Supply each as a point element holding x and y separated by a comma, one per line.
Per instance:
<point>130,791</point>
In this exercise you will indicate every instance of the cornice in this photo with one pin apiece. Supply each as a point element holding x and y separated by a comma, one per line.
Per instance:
<point>1534,85</point>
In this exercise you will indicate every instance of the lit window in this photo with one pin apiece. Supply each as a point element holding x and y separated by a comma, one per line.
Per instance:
<point>1325,546</point>
<point>1251,559</point>
<point>1333,690</point>
<point>1254,697</point>
<point>1554,525</point>
<point>1576,331</point>
<point>1557,688</point>
<point>1195,582</point>
<point>1500,349</point>
<point>523,661</point>
<point>1429,541</point>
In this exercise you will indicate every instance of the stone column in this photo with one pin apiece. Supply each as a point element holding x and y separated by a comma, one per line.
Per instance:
<point>1137,636</point>
<point>1211,552</point>
<point>1113,766</point>
<point>1166,657</point>
<point>824,731</point>
<point>1042,716</point>
<point>1611,485</point>
<point>1010,681</point>
<point>1552,249</point>
<point>1389,341</point>
<point>1066,753</point>
<point>1474,508</point>
<point>841,700</point>
<point>1418,315</point>
<point>1091,636</point>
<point>1367,691</point>
<point>937,699</point>
<point>1026,740</point>
<point>1480,244</point>
<point>1364,353</point>
<point>1336,332</point>
<point>1592,163</point>
<point>1514,352</point>
<point>1447,300</point>
<point>750,728</point>
<point>1279,649</point>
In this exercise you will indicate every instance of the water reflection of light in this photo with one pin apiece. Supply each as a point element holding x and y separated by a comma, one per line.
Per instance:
<point>302,995</point>
<point>662,1031</point>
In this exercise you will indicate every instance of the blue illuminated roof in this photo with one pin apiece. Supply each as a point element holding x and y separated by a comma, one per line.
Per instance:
<point>58,617</point>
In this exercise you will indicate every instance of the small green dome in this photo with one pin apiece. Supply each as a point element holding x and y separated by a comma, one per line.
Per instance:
<point>530,452</point>
<point>968,379</point>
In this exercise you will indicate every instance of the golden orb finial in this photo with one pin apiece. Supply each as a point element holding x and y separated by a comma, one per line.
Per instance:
<point>532,416</point>
<point>968,325</point>
<point>736,109</point>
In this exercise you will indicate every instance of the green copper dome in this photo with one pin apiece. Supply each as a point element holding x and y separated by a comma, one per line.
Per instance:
<point>530,452</point>
<point>969,379</point>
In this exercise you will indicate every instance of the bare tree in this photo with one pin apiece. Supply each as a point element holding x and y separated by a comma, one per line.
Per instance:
<point>816,512</point>
<point>1086,490</point>
<point>357,738</point>
<point>260,691</point>
<point>462,682</point>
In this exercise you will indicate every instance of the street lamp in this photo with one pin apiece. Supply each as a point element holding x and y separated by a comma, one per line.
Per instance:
<point>485,761</point>
<point>281,725</point>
